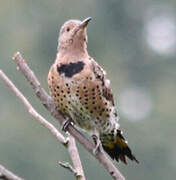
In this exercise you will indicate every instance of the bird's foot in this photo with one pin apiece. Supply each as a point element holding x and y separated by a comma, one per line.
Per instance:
<point>97,142</point>
<point>65,124</point>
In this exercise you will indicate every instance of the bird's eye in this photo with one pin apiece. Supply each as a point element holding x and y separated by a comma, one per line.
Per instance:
<point>68,29</point>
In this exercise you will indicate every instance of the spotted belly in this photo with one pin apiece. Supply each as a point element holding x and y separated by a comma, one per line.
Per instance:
<point>83,101</point>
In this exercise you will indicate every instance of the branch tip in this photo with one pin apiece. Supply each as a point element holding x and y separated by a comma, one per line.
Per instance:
<point>8,175</point>
<point>66,165</point>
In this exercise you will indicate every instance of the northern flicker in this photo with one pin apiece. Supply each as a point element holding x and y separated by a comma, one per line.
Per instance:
<point>81,91</point>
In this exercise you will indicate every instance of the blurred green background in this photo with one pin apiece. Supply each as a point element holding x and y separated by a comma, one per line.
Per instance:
<point>135,41</point>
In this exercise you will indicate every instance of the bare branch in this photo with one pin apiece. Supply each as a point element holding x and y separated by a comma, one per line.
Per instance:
<point>7,175</point>
<point>49,104</point>
<point>75,158</point>
<point>69,143</point>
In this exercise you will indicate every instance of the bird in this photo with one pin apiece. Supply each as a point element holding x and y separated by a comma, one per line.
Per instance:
<point>81,91</point>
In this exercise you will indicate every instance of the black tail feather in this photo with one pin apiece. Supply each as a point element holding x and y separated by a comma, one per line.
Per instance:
<point>120,153</point>
<point>118,149</point>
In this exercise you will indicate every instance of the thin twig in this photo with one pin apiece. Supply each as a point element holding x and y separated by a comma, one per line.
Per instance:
<point>75,158</point>
<point>8,175</point>
<point>49,104</point>
<point>67,142</point>
<point>66,165</point>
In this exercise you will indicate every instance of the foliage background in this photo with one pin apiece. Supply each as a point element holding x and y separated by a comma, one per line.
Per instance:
<point>135,41</point>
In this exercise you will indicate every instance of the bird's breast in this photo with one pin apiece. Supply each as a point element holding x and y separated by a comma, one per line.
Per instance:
<point>80,95</point>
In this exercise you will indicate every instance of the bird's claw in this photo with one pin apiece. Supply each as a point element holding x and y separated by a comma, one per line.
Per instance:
<point>65,124</point>
<point>97,144</point>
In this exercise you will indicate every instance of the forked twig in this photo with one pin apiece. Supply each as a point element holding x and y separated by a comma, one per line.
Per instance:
<point>67,142</point>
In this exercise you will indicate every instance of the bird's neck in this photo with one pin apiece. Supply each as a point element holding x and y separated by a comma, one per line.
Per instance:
<point>71,56</point>
<point>75,52</point>
<point>76,45</point>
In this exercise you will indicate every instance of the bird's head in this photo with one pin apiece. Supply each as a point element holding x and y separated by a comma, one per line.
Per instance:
<point>73,35</point>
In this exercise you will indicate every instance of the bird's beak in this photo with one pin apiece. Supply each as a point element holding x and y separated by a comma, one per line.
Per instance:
<point>83,24</point>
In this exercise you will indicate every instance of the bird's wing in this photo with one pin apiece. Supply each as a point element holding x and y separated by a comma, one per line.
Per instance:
<point>100,75</point>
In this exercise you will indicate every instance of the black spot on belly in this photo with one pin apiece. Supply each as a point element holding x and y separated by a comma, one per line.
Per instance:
<point>70,69</point>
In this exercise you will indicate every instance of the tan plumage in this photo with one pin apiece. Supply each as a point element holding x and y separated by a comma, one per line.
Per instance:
<point>81,91</point>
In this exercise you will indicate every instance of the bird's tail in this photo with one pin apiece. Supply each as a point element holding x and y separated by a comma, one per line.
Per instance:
<point>117,147</point>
